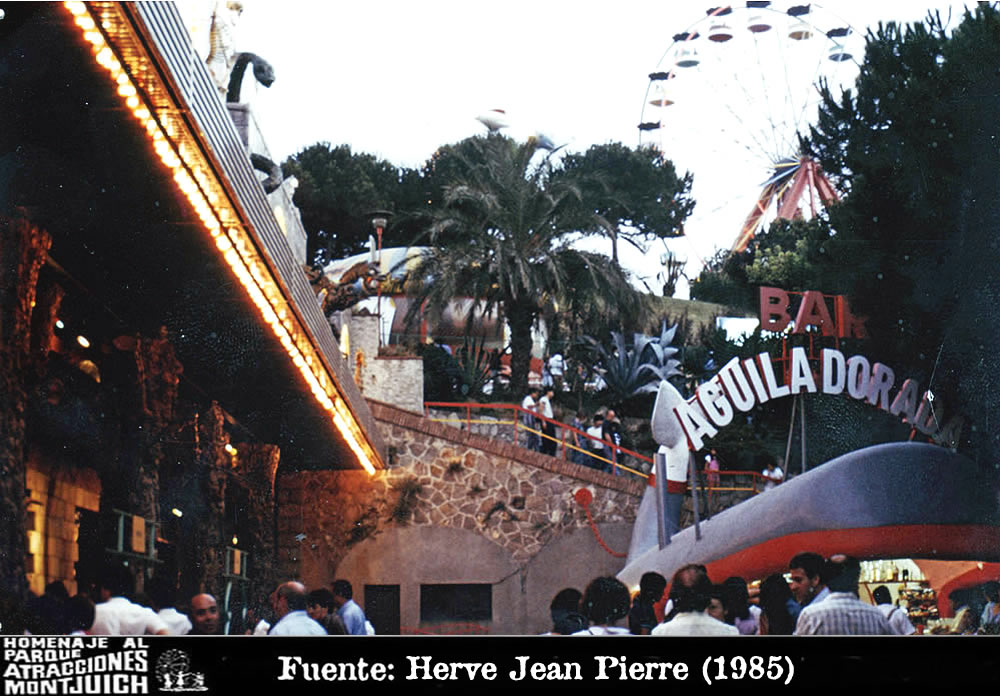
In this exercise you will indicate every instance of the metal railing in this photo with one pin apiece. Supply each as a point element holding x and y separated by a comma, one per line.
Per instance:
<point>569,439</point>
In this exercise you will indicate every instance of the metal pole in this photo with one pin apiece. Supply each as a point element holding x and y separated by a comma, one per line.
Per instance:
<point>791,430</point>
<point>660,473</point>
<point>802,433</point>
<point>694,496</point>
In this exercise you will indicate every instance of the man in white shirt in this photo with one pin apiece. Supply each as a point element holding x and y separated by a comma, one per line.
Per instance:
<point>595,443</point>
<point>898,620</point>
<point>773,475</point>
<point>162,593</point>
<point>549,444</point>
<point>557,368</point>
<point>690,593</point>
<point>530,406</point>
<point>289,602</point>
<point>117,616</point>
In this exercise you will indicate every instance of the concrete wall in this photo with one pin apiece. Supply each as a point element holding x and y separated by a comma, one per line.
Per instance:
<point>398,381</point>
<point>456,507</point>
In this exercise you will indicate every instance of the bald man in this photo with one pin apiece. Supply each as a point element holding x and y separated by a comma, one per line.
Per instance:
<point>289,603</point>
<point>204,615</point>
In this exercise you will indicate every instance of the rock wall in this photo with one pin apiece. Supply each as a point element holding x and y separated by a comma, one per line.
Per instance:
<point>518,504</point>
<point>392,380</point>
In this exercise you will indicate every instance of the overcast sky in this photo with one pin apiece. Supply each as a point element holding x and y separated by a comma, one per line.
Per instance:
<point>398,79</point>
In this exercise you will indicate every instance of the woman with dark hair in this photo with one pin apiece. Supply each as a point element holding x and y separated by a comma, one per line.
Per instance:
<point>565,613</point>
<point>605,601</point>
<point>642,618</point>
<point>774,598</point>
<point>739,613</point>
<point>717,604</point>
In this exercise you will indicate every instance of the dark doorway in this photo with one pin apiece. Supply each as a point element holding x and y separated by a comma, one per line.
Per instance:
<point>382,608</point>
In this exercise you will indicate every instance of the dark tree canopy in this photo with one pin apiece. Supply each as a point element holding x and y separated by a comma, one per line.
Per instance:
<point>339,189</point>
<point>635,194</point>
<point>509,223</point>
<point>914,242</point>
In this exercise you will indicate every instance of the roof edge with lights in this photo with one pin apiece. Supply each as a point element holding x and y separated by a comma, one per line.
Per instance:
<point>163,81</point>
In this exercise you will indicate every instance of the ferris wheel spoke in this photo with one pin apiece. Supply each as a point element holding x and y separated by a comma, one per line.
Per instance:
<point>771,118</point>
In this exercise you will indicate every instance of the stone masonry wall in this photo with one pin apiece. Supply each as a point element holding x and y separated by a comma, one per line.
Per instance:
<point>440,476</point>
<point>392,380</point>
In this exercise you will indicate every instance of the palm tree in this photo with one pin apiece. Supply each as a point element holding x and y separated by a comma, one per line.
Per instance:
<point>509,226</point>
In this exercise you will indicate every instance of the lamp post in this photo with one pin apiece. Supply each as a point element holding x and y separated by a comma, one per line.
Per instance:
<point>380,218</point>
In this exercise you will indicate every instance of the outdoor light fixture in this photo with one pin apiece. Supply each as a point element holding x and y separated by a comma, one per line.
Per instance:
<point>82,340</point>
<point>192,176</point>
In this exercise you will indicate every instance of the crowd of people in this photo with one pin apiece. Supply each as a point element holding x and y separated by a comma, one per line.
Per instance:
<point>112,608</point>
<point>594,445</point>
<point>820,597</point>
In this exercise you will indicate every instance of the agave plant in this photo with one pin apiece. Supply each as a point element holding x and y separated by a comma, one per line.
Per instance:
<point>473,366</point>
<point>640,370</point>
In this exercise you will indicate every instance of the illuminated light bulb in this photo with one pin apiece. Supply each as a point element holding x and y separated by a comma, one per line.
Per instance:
<point>127,91</point>
<point>177,513</point>
<point>59,324</point>
<point>229,448</point>
<point>231,258</point>
<point>104,56</point>
<point>82,340</point>
<point>122,79</point>
<point>94,37</point>
<point>235,540</point>
<point>132,102</point>
<point>157,135</point>
<point>77,8</point>
<point>85,22</point>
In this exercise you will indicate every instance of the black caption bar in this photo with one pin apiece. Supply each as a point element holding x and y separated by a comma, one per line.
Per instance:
<point>98,665</point>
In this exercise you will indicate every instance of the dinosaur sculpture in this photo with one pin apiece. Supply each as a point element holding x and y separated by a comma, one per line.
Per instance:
<point>359,282</point>
<point>262,71</point>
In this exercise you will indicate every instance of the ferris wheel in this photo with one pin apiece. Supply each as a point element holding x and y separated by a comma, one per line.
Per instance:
<point>728,101</point>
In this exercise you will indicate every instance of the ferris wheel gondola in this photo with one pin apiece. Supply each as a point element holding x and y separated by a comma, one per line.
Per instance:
<point>729,101</point>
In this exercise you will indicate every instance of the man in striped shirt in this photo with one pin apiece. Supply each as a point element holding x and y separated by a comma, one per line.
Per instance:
<point>842,613</point>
